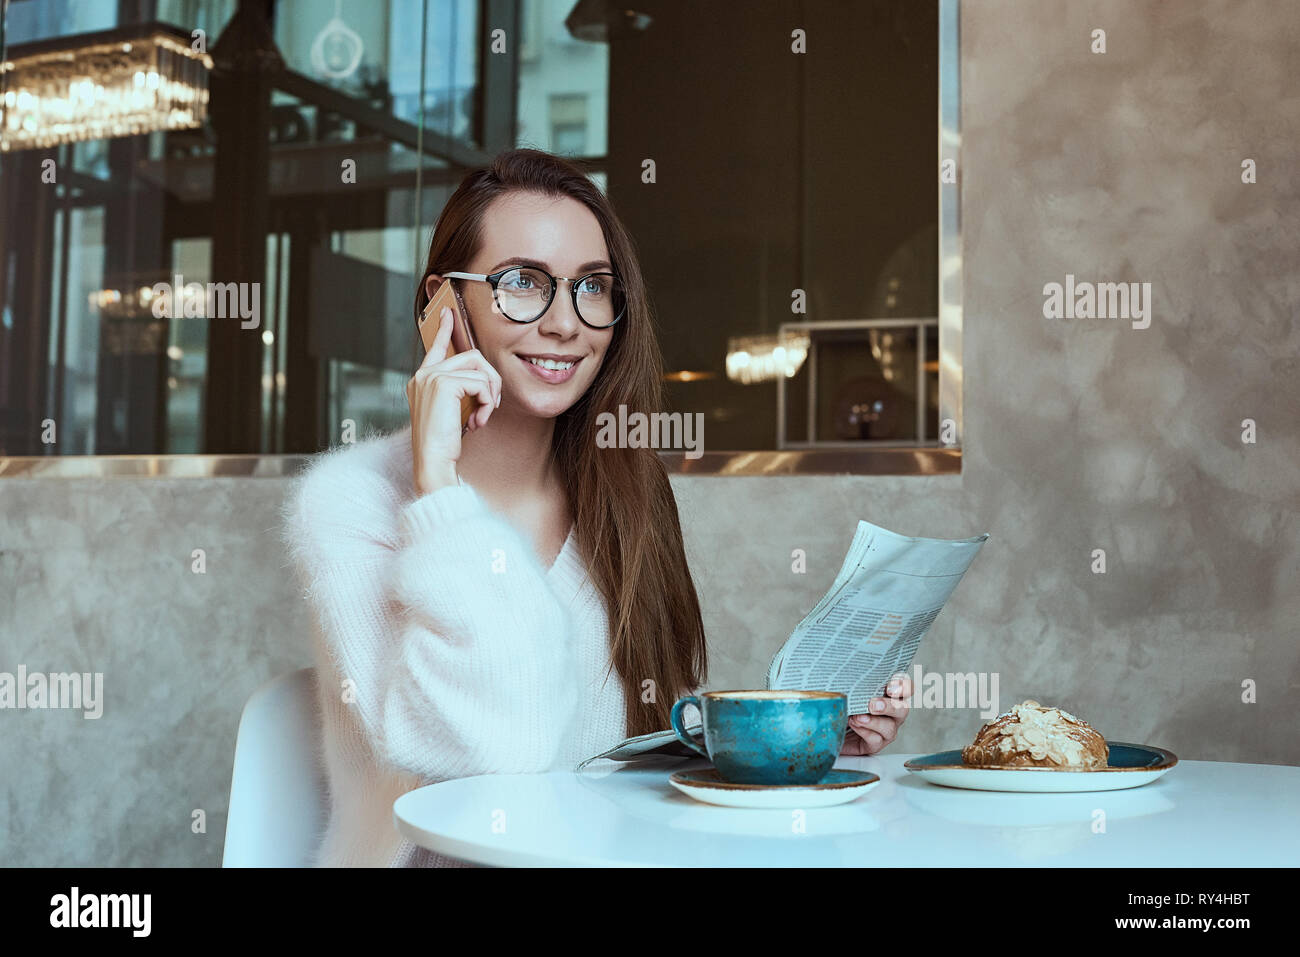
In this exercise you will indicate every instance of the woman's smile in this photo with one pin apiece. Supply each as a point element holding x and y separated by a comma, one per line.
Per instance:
<point>550,367</point>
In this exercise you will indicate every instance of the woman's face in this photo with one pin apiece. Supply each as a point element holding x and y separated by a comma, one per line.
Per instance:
<point>564,237</point>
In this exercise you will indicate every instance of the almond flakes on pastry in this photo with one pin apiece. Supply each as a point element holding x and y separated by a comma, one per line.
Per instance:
<point>1033,736</point>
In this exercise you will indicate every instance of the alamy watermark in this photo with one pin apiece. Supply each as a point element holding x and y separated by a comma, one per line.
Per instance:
<point>58,689</point>
<point>216,300</point>
<point>129,911</point>
<point>1102,300</point>
<point>955,689</point>
<point>657,430</point>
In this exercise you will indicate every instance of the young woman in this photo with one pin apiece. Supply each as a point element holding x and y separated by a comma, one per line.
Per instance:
<point>476,590</point>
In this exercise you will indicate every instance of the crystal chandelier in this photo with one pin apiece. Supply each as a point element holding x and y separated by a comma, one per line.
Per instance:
<point>760,358</point>
<point>91,87</point>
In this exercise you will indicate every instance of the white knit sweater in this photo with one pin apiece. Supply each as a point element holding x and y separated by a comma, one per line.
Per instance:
<point>443,648</point>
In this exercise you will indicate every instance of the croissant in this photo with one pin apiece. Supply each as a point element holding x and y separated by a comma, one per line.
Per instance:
<point>1033,736</point>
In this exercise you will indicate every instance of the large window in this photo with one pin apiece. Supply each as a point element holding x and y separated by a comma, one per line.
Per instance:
<point>789,228</point>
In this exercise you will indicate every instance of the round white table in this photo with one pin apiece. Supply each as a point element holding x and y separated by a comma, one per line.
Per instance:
<point>1200,813</point>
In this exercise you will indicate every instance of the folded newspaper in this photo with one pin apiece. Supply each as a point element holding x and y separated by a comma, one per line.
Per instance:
<point>865,630</point>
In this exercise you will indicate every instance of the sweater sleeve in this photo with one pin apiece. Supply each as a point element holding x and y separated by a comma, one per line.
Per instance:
<point>449,643</point>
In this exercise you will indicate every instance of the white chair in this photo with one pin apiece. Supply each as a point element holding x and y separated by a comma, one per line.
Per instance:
<point>277,791</point>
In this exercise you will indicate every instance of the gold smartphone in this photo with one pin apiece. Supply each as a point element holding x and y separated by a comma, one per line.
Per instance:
<point>462,339</point>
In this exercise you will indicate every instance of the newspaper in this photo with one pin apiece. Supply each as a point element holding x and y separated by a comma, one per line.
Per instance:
<point>865,629</point>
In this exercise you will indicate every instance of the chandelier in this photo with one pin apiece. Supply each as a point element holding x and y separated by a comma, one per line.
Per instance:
<point>760,358</point>
<point>101,85</point>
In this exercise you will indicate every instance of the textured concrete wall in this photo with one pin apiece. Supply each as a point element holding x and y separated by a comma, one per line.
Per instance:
<point>1080,434</point>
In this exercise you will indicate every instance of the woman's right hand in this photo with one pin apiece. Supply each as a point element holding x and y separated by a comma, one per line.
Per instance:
<point>434,395</point>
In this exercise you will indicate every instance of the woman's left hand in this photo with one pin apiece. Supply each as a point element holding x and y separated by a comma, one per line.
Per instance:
<point>870,733</point>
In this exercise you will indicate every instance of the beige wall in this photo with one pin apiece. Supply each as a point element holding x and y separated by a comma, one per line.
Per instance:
<point>1080,435</point>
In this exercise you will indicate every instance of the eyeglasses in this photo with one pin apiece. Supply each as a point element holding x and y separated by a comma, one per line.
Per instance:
<point>523,294</point>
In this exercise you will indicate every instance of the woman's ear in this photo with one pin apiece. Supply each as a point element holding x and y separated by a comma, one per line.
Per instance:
<point>431,284</point>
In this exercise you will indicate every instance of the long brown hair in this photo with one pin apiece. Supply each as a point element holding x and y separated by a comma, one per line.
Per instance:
<point>626,520</point>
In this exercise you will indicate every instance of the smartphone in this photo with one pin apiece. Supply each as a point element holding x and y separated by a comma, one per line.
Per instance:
<point>462,340</point>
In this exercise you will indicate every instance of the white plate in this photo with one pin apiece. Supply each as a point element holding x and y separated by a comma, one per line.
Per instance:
<point>838,787</point>
<point>1130,766</point>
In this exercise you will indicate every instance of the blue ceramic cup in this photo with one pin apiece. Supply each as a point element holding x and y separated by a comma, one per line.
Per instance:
<point>767,737</point>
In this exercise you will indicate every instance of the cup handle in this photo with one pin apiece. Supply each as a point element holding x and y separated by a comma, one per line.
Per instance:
<point>675,719</point>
